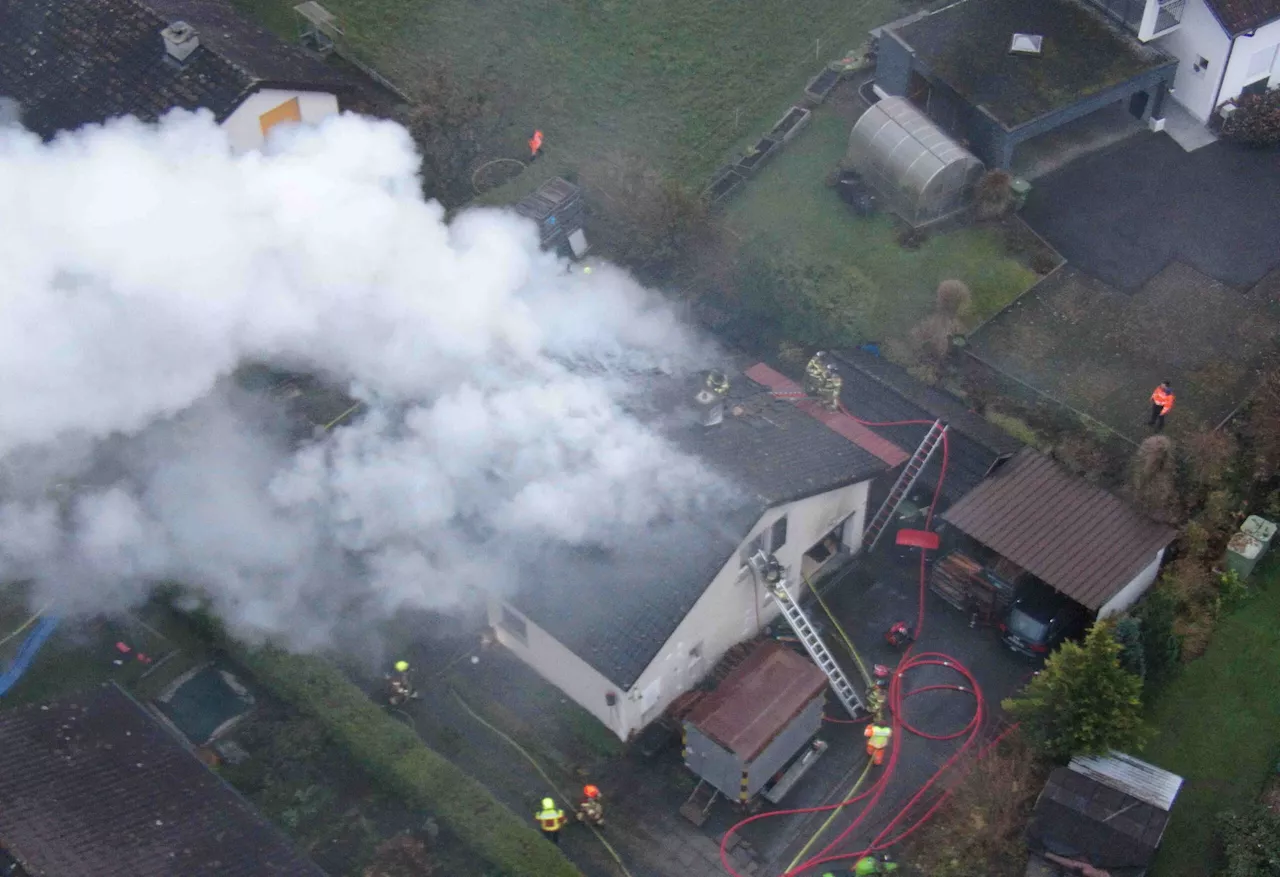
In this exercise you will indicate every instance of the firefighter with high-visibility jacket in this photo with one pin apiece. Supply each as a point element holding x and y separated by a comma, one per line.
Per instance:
<point>1161,404</point>
<point>550,820</point>
<point>877,741</point>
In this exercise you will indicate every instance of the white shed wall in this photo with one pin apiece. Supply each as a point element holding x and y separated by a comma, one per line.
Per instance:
<point>563,669</point>
<point>1199,36</point>
<point>731,609</point>
<point>244,128</point>
<point>734,607</point>
<point>1130,593</point>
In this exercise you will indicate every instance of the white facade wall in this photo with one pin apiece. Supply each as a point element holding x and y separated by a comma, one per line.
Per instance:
<point>244,126</point>
<point>1129,594</point>
<point>1200,36</point>
<point>731,609</point>
<point>1253,58</point>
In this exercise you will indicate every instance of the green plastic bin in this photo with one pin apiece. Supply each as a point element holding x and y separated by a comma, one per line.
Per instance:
<point>1243,553</point>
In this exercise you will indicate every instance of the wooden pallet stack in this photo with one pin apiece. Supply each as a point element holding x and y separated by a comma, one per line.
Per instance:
<point>965,584</point>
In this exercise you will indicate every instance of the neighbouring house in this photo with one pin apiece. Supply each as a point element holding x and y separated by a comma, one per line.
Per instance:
<point>1036,521</point>
<point>93,785</point>
<point>996,73</point>
<point>624,631</point>
<point>68,63</point>
<point>1225,48</point>
<point>1109,812</point>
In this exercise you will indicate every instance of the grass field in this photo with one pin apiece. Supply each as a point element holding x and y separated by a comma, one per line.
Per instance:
<point>788,207</point>
<point>674,82</point>
<point>1219,728</point>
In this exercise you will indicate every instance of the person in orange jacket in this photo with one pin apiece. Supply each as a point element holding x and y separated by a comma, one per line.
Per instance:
<point>535,145</point>
<point>1161,404</point>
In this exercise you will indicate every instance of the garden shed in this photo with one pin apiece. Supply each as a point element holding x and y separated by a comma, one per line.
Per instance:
<point>922,173</point>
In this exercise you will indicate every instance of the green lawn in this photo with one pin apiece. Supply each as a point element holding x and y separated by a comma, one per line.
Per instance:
<point>789,208</point>
<point>1219,727</point>
<point>676,82</point>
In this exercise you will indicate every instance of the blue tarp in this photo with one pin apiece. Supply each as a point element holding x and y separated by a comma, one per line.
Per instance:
<point>27,652</point>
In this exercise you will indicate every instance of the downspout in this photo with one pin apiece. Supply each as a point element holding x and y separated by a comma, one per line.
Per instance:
<point>1223,77</point>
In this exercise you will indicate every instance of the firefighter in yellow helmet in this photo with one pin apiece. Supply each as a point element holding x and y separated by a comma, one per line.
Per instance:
<point>550,820</point>
<point>400,686</point>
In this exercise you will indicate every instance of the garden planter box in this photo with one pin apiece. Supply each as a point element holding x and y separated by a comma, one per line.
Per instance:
<point>759,156</point>
<point>821,85</point>
<point>790,124</point>
<point>725,182</point>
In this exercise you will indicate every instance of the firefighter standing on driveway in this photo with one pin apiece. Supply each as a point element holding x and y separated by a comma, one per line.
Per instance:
<point>591,807</point>
<point>877,741</point>
<point>550,819</point>
<point>1161,404</point>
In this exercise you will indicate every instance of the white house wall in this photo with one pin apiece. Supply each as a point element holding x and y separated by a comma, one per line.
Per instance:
<point>1200,36</point>
<point>1262,44</point>
<point>563,669</point>
<point>1130,593</point>
<point>244,128</point>
<point>734,607</point>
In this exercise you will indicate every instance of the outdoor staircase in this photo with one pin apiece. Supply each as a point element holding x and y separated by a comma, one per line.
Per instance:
<point>902,487</point>
<point>816,648</point>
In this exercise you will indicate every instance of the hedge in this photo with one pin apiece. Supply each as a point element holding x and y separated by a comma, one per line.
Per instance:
<point>391,752</point>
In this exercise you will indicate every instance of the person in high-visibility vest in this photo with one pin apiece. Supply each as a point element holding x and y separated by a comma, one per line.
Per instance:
<point>550,819</point>
<point>868,865</point>
<point>877,741</point>
<point>1161,404</point>
<point>535,145</point>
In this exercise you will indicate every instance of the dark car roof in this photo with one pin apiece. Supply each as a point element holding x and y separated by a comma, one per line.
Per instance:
<point>1041,602</point>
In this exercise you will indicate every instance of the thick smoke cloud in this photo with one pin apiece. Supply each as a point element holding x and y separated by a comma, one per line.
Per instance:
<point>144,264</point>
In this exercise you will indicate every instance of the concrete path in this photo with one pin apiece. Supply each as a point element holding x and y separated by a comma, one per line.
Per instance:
<point>1186,130</point>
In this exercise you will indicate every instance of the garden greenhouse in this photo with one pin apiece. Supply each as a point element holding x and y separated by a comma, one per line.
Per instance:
<point>922,173</point>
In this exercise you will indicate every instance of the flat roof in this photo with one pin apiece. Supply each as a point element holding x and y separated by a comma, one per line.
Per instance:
<point>758,699</point>
<point>966,46</point>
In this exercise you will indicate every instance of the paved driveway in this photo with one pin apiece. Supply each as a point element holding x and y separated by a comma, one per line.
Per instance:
<point>1122,214</point>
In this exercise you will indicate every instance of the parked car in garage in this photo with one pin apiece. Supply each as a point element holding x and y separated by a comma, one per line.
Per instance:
<point>1040,618</point>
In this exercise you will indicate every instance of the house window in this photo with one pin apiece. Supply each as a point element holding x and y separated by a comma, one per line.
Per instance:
<point>767,540</point>
<point>1201,65</point>
<point>1260,63</point>
<point>514,625</point>
<point>289,111</point>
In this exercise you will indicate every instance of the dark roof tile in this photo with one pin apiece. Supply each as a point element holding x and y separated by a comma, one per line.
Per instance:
<point>92,785</point>
<point>1080,539</point>
<point>1239,16</point>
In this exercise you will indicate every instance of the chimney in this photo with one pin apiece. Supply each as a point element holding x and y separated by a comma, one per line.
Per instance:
<point>180,40</point>
<point>710,407</point>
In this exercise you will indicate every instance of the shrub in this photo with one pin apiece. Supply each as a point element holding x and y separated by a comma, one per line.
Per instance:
<point>1208,455</point>
<point>1082,455</point>
<point>993,197</point>
<point>1256,121</point>
<point>1194,634</point>
<point>1262,426</point>
<point>1043,261</point>
<point>1161,647</point>
<point>1083,702</point>
<point>401,856</point>
<point>979,831</point>
<point>912,238</point>
<point>1019,429</point>
<point>931,338</point>
<point>1190,582</point>
<point>1152,480</point>
<point>954,298</point>
<point>1250,843</point>
<point>1232,590</point>
<point>393,754</point>
<point>1195,541</point>
<point>1128,633</point>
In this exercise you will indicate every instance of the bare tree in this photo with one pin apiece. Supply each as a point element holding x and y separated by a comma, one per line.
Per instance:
<point>954,298</point>
<point>1152,481</point>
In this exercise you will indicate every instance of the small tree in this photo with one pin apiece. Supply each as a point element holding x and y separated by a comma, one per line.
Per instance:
<point>1250,843</point>
<point>1152,480</point>
<point>954,298</point>
<point>1083,702</point>
<point>1128,633</point>
<point>1208,454</point>
<point>1161,648</point>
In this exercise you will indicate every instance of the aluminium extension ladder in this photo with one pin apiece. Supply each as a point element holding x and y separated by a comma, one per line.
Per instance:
<point>816,648</point>
<point>902,487</point>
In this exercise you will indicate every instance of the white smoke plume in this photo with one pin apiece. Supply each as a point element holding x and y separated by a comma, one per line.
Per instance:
<point>143,264</point>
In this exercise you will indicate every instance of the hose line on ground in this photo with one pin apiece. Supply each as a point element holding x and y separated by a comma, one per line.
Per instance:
<point>538,767</point>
